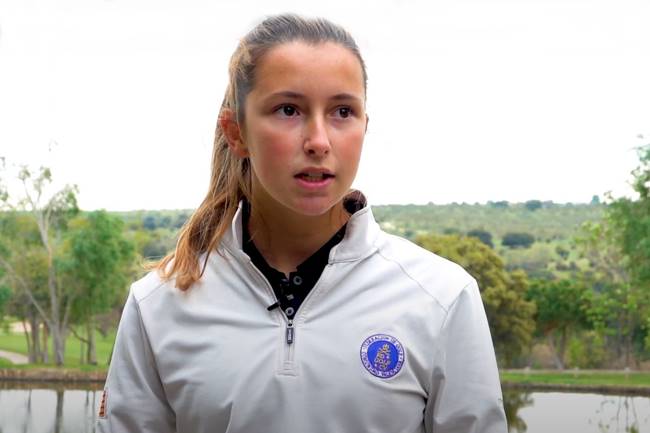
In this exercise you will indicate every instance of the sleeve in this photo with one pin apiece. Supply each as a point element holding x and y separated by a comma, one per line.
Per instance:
<point>465,390</point>
<point>133,400</point>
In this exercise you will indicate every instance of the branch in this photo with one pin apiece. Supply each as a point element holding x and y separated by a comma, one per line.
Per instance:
<point>25,287</point>
<point>79,337</point>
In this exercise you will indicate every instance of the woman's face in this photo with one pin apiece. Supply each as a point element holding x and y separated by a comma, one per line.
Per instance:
<point>304,126</point>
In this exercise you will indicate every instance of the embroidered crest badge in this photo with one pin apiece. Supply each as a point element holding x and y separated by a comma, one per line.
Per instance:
<point>382,355</point>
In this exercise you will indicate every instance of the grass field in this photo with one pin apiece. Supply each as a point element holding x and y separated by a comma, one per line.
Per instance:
<point>572,377</point>
<point>15,342</point>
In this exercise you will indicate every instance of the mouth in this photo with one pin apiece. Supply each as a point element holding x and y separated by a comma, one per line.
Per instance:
<point>314,176</point>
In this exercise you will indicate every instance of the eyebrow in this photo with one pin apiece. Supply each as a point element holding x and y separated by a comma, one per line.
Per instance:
<point>296,95</point>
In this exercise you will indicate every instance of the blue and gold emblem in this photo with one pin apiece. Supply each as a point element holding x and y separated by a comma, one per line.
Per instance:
<point>382,355</point>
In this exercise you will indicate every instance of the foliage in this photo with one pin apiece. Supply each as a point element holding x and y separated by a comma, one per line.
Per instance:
<point>483,236</point>
<point>509,314</point>
<point>98,261</point>
<point>533,205</point>
<point>556,221</point>
<point>562,307</point>
<point>630,222</point>
<point>586,350</point>
<point>5,296</point>
<point>518,240</point>
<point>618,248</point>
<point>50,210</point>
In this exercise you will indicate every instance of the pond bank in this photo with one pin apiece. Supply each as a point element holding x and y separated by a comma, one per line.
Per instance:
<point>603,382</point>
<point>51,375</point>
<point>596,381</point>
<point>582,388</point>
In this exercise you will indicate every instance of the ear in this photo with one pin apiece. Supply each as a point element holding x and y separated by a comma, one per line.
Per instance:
<point>233,134</point>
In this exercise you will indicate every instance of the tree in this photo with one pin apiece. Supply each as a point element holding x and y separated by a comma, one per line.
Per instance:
<point>619,307</point>
<point>97,263</point>
<point>625,234</point>
<point>23,263</point>
<point>483,236</point>
<point>630,222</point>
<point>533,205</point>
<point>517,240</point>
<point>562,306</point>
<point>509,313</point>
<point>503,204</point>
<point>50,212</point>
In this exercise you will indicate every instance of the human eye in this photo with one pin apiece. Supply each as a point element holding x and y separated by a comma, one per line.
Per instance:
<point>343,112</point>
<point>286,110</point>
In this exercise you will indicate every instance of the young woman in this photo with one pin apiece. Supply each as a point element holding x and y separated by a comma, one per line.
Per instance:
<point>284,307</point>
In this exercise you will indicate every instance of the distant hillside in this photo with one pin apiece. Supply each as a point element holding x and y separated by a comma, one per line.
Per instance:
<point>550,228</point>
<point>548,222</point>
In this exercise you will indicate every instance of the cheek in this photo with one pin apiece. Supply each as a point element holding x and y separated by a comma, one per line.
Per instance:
<point>270,148</point>
<point>353,145</point>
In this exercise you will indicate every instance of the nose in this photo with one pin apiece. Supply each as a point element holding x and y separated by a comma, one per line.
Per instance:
<point>316,139</point>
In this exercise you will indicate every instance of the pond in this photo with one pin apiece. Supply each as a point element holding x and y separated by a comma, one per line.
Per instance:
<point>48,408</point>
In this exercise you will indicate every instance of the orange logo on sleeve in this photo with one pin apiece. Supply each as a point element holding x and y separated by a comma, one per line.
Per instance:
<point>102,405</point>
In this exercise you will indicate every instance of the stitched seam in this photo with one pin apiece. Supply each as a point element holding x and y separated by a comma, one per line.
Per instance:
<point>155,289</point>
<point>405,272</point>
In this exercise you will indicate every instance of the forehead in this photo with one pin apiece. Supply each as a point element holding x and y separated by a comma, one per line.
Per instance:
<point>321,68</point>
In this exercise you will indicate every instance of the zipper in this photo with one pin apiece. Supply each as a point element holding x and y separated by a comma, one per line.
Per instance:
<point>290,329</point>
<point>291,332</point>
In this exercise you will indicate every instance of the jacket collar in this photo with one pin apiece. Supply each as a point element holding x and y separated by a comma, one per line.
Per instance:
<point>360,235</point>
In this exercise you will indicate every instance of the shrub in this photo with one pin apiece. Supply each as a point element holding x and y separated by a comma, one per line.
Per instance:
<point>518,240</point>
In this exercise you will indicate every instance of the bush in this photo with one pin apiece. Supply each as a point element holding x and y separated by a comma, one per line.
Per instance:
<point>518,240</point>
<point>562,252</point>
<point>586,350</point>
<point>533,205</point>
<point>483,236</point>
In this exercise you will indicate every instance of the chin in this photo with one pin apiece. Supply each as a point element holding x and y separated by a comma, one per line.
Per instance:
<point>315,207</point>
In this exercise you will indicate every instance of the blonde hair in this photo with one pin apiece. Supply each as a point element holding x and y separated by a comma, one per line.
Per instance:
<point>230,180</point>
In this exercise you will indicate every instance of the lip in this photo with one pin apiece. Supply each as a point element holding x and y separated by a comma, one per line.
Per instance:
<point>314,186</point>
<point>311,185</point>
<point>316,170</point>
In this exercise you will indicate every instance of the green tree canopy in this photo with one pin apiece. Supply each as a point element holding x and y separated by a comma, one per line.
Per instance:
<point>482,235</point>
<point>518,240</point>
<point>510,315</point>
<point>562,306</point>
<point>97,263</point>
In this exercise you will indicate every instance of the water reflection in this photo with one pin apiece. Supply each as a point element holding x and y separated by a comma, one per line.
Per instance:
<point>60,408</point>
<point>47,408</point>
<point>543,412</point>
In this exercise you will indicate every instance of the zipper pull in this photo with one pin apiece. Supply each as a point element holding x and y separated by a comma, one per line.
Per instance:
<point>291,336</point>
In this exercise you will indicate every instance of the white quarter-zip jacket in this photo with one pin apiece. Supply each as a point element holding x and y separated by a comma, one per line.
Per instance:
<point>391,339</point>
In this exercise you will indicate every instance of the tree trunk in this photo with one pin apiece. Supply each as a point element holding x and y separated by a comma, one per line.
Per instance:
<point>58,345</point>
<point>46,346</point>
<point>556,359</point>
<point>562,348</point>
<point>628,350</point>
<point>30,348</point>
<point>35,324</point>
<point>92,353</point>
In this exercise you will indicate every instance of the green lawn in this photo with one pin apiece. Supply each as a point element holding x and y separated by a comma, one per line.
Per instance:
<point>571,377</point>
<point>15,342</point>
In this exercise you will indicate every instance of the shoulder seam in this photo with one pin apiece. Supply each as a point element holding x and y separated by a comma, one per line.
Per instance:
<point>138,301</point>
<point>412,279</point>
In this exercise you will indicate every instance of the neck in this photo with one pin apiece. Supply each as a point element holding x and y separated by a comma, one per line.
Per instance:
<point>286,239</point>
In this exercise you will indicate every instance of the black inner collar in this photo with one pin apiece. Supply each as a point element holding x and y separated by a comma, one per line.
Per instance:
<point>291,291</point>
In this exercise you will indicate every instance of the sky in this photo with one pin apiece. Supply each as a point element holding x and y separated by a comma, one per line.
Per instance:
<point>469,100</point>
